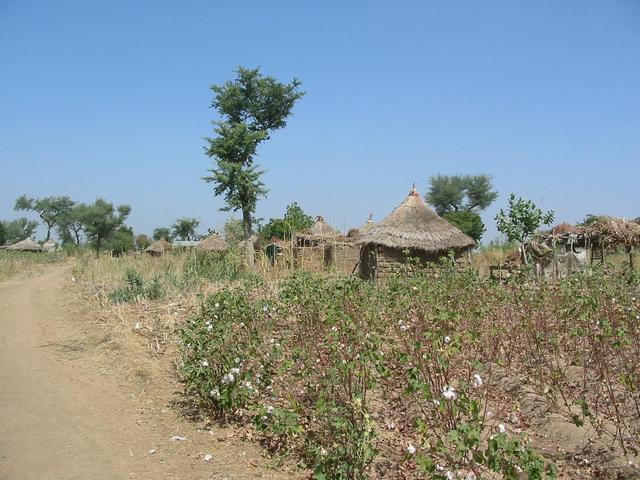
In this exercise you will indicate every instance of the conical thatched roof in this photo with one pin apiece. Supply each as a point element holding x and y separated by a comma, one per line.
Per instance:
<point>49,246</point>
<point>26,245</point>
<point>214,243</point>
<point>160,246</point>
<point>368,225</point>
<point>322,229</point>
<point>414,225</point>
<point>609,231</point>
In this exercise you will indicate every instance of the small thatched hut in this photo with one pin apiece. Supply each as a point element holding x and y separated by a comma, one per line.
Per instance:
<point>311,249</point>
<point>214,244</point>
<point>157,248</point>
<point>412,230</point>
<point>49,246</point>
<point>26,245</point>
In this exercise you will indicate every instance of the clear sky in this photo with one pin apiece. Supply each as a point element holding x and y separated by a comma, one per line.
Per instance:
<point>112,98</point>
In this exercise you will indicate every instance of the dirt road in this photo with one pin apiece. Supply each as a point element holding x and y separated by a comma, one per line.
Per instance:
<point>63,419</point>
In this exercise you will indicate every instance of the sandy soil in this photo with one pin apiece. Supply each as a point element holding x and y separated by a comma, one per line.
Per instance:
<point>79,402</point>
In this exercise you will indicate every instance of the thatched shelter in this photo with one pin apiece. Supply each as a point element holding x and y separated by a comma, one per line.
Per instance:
<point>26,245</point>
<point>564,229</point>
<point>311,248</point>
<point>49,246</point>
<point>214,244</point>
<point>411,231</point>
<point>159,247</point>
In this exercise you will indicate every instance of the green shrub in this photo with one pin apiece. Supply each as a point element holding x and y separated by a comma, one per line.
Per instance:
<point>134,288</point>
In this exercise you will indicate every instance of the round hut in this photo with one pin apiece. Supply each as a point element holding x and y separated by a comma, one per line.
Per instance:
<point>49,246</point>
<point>214,243</point>
<point>26,245</point>
<point>411,231</point>
<point>157,248</point>
<point>312,248</point>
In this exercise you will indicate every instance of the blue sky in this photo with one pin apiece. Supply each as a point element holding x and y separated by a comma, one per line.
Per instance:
<point>111,99</point>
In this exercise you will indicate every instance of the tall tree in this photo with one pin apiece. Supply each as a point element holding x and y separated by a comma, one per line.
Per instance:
<point>251,107</point>
<point>3,234</point>
<point>185,228</point>
<point>70,225</point>
<point>161,233</point>
<point>50,209</point>
<point>19,229</point>
<point>460,198</point>
<point>521,220</point>
<point>101,220</point>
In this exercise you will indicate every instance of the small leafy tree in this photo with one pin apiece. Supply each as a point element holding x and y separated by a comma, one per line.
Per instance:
<point>467,222</point>
<point>50,209</point>
<point>19,229</point>
<point>295,220</point>
<point>122,240</point>
<point>251,107</point>
<point>521,220</point>
<point>3,234</point>
<point>161,233</point>
<point>142,241</point>
<point>101,220</point>
<point>70,225</point>
<point>471,194</point>
<point>185,228</point>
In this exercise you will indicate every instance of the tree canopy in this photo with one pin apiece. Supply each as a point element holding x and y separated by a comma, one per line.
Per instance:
<point>460,198</point>
<point>453,193</point>
<point>70,225</point>
<point>101,220</point>
<point>161,233</point>
<point>251,107</point>
<point>295,220</point>
<point>185,228</point>
<point>18,230</point>
<point>50,209</point>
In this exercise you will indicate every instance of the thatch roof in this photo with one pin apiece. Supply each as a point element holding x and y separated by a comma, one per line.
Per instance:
<point>160,246</point>
<point>368,225</point>
<point>609,231</point>
<point>49,246</point>
<point>563,229</point>
<point>26,245</point>
<point>214,243</point>
<point>414,225</point>
<point>320,229</point>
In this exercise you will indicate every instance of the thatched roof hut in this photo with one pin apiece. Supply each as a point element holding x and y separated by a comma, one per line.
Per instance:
<point>49,246</point>
<point>564,229</point>
<point>412,230</point>
<point>608,232</point>
<point>158,247</point>
<point>214,243</point>
<point>26,245</point>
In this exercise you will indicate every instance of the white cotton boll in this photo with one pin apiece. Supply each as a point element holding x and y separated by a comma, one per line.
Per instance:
<point>137,326</point>
<point>436,402</point>
<point>269,409</point>
<point>502,428</point>
<point>451,475</point>
<point>217,305</point>
<point>411,450</point>
<point>447,339</point>
<point>228,378</point>
<point>215,393</point>
<point>477,380</point>
<point>209,328</point>
<point>235,371</point>
<point>471,476</point>
<point>204,363</point>
<point>208,457</point>
<point>449,393</point>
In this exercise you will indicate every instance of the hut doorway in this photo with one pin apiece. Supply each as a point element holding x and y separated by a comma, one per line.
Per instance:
<point>369,262</point>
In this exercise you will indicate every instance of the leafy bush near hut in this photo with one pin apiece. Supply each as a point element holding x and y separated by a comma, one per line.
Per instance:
<point>436,375</point>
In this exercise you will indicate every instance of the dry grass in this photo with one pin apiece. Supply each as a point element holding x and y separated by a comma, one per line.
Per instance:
<point>13,263</point>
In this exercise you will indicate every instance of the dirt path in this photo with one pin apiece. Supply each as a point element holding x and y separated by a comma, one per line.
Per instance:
<point>62,417</point>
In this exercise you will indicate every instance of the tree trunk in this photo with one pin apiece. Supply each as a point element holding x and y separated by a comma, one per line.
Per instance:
<point>523,253</point>
<point>248,244</point>
<point>48,233</point>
